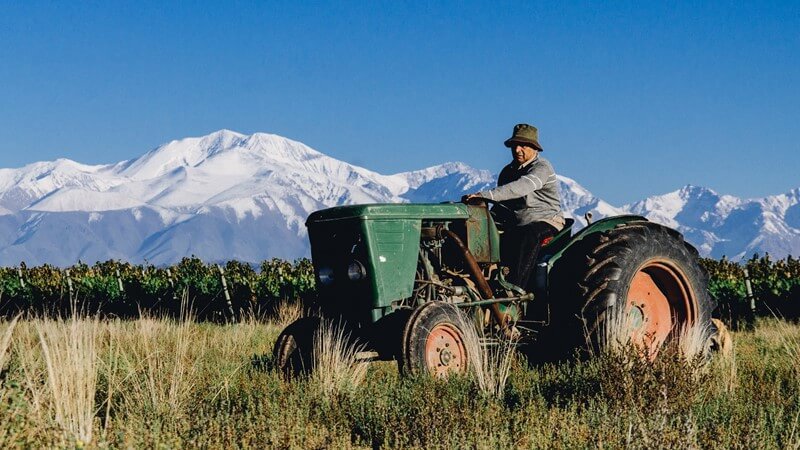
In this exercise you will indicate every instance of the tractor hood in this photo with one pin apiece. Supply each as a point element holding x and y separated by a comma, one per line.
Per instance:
<point>391,211</point>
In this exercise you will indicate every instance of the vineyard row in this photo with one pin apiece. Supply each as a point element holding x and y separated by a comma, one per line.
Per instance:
<point>222,292</point>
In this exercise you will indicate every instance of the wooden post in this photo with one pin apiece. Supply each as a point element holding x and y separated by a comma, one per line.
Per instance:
<point>69,283</point>
<point>119,282</point>
<point>227,294</point>
<point>749,290</point>
<point>172,285</point>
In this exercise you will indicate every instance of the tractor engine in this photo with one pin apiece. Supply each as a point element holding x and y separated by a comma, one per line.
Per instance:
<point>441,272</point>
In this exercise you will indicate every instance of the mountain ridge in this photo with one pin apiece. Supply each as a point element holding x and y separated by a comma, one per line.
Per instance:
<point>228,195</point>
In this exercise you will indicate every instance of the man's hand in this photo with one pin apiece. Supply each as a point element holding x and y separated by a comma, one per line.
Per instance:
<point>467,198</point>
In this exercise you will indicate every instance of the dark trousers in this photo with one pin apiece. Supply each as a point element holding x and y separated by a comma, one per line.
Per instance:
<point>519,247</point>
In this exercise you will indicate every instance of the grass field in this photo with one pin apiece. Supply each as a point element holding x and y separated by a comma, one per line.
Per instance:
<point>157,383</point>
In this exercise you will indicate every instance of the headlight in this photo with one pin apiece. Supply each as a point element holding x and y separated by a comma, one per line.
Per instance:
<point>325,276</point>
<point>356,271</point>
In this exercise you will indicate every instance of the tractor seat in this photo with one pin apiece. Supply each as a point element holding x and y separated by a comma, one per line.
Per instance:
<point>561,237</point>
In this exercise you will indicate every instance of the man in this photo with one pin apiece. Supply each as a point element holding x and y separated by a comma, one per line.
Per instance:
<point>528,187</point>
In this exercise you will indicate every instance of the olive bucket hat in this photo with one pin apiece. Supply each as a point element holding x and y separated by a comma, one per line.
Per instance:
<point>526,135</point>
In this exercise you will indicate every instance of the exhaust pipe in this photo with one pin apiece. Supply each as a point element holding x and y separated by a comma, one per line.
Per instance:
<point>480,281</point>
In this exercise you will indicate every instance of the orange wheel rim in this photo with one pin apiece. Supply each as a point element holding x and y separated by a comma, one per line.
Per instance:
<point>445,352</point>
<point>659,303</point>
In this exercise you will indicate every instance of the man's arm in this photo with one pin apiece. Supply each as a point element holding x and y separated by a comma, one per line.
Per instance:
<point>528,183</point>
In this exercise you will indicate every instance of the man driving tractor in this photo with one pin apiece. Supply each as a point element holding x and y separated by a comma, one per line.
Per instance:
<point>528,187</point>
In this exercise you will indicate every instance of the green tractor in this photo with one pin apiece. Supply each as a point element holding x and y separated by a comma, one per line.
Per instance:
<point>407,280</point>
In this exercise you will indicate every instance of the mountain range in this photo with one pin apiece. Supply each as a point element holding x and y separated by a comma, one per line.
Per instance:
<point>232,196</point>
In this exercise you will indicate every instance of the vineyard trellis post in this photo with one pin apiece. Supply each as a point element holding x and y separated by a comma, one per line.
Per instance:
<point>69,283</point>
<point>227,293</point>
<point>119,283</point>
<point>172,285</point>
<point>749,290</point>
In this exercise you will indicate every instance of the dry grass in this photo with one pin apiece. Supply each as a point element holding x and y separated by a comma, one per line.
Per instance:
<point>659,381</point>
<point>336,366</point>
<point>5,342</point>
<point>693,341</point>
<point>60,361</point>
<point>491,360</point>
<point>159,364</point>
<point>788,336</point>
<point>616,331</point>
<point>233,351</point>
<point>167,384</point>
<point>70,351</point>
<point>619,332</point>
<point>33,371</point>
<point>286,312</point>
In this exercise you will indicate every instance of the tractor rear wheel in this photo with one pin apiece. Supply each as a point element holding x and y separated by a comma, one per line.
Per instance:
<point>639,283</point>
<point>293,353</point>
<point>434,341</point>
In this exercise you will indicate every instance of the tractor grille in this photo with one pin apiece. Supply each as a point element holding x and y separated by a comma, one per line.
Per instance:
<point>334,246</point>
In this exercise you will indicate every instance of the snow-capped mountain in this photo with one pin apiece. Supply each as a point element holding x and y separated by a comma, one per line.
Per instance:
<point>232,196</point>
<point>725,225</point>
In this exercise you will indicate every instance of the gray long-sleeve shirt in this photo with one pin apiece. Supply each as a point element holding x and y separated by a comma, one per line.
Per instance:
<point>531,191</point>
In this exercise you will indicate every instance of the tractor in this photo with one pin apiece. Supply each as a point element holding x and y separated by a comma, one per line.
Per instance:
<point>406,280</point>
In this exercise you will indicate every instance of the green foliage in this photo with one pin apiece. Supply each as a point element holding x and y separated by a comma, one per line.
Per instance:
<point>121,289</point>
<point>775,285</point>
<point>45,289</point>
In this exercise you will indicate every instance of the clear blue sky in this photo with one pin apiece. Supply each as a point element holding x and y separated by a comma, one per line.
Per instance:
<point>631,98</point>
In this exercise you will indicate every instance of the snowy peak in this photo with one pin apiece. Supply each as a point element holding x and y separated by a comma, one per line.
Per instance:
<point>419,177</point>
<point>434,182</point>
<point>188,152</point>
<point>228,154</point>
<point>726,225</point>
<point>690,202</point>
<point>22,187</point>
<point>577,201</point>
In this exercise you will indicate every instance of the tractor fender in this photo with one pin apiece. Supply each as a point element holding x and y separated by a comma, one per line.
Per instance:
<point>597,226</point>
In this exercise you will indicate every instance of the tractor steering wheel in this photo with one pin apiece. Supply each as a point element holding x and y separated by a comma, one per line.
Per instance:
<point>505,211</point>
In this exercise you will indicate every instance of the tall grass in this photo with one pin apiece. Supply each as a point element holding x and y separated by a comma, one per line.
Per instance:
<point>491,359</point>
<point>160,364</point>
<point>693,342</point>
<point>336,365</point>
<point>616,333</point>
<point>789,337</point>
<point>61,372</point>
<point>221,400</point>
<point>70,354</point>
<point>659,380</point>
<point>5,342</point>
<point>287,311</point>
<point>33,371</point>
<point>619,332</point>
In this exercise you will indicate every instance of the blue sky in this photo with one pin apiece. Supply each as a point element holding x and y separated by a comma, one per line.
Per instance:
<point>631,98</point>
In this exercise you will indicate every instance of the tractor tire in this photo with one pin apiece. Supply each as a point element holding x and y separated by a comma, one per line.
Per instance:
<point>639,283</point>
<point>293,353</point>
<point>434,341</point>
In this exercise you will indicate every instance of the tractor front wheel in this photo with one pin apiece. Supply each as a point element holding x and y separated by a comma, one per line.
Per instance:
<point>434,341</point>
<point>293,353</point>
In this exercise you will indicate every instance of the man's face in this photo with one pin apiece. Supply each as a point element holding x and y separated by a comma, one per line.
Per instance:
<point>522,153</point>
